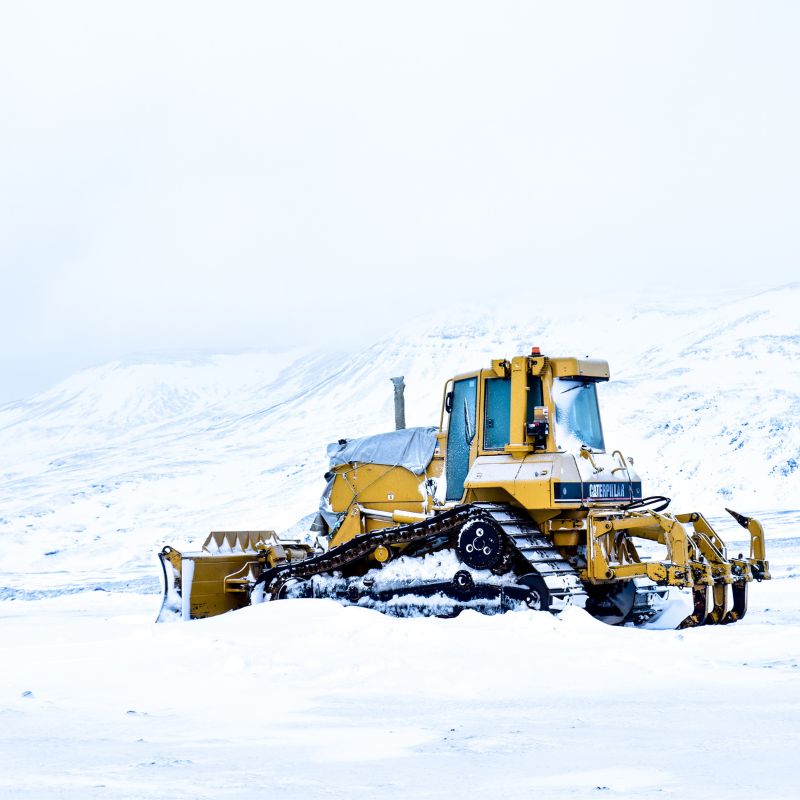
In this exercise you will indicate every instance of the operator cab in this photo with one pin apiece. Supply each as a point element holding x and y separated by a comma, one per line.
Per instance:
<point>518,407</point>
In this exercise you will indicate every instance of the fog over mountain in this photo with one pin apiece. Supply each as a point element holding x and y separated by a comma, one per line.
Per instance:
<point>186,176</point>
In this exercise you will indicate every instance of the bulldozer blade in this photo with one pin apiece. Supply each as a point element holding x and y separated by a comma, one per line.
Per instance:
<point>703,597</point>
<point>208,582</point>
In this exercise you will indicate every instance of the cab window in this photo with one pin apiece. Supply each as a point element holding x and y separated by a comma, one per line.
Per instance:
<point>497,413</point>
<point>497,409</point>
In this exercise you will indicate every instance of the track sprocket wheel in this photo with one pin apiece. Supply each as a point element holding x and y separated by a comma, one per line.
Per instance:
<point>480,544</point>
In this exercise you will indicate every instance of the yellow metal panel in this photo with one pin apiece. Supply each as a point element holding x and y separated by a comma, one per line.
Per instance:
<point>532,484</point>
<point>492,470</point>
<point>519,407</point>
<point>207,590</point>
<point>350,527</point>
<point>580,368</point>
<point>500,367</point>
<point>376,483</point>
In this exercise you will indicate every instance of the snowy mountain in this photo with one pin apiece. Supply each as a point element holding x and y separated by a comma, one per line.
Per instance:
<point>101,470</point>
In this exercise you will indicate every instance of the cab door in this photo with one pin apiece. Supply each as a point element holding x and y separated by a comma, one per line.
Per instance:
<point>460,433</point>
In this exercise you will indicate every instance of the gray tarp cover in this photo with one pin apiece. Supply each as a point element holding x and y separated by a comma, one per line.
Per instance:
<point>411,448</point>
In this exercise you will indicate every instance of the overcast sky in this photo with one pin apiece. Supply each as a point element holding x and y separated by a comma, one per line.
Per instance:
<point>235,175</point>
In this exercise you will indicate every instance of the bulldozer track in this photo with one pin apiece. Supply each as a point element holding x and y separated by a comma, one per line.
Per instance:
<point>276,578</point>
<point>523,541</point>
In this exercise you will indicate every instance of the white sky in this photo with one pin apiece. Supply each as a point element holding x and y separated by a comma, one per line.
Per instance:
<point>233,175</point>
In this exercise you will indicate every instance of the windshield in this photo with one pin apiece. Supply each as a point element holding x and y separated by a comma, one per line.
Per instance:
<point>577,415</point>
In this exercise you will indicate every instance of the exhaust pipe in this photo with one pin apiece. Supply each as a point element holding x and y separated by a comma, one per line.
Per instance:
<point>399,404</point>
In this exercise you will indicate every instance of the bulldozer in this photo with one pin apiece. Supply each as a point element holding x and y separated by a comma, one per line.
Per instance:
<point>512,503</point>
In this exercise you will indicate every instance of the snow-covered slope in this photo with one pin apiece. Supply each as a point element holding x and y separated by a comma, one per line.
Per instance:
<point>714,407</point>
<point>98,472</point>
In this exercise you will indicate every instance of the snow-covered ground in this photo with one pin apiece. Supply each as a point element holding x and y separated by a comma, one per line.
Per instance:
<point>305,698</point>
<point>308,699</point>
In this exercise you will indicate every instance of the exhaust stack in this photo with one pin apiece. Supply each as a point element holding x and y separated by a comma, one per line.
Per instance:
<point>399,404</point>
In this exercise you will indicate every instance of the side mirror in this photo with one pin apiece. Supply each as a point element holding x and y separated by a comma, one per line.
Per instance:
<point>448,402</point>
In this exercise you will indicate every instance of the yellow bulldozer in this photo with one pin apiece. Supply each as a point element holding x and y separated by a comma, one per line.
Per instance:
<point>512,503</point>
